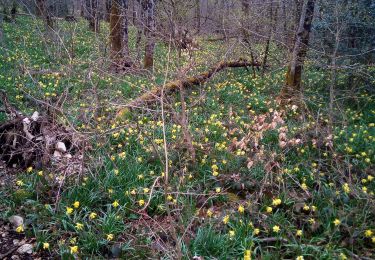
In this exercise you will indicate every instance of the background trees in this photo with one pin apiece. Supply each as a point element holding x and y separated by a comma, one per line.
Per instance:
<point>253,22</point>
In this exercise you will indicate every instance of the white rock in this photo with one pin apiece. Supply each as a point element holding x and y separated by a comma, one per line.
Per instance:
<point>16,221</point>
<point>57,154</point>
<point>68,156</point>
<point>60,146</point>
<point>26,248</point>
<point>26,121</point>
<point>35,116</point>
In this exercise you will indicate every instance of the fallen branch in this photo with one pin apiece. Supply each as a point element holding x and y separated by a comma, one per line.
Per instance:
<point>155,93</point>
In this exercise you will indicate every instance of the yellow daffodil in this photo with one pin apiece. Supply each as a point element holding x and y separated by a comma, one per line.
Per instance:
<point>76,204</point>
<point>368,233</point>
<point>79,226</point>
<point>276,202</point>
<point>45,245</point>
<point>69,210</point>
<point>346,188</point>
<point>247,255</point>
<point>19,229</point>
<point>92,215</point>
<point>74,249</point>
<point>276,229</point>
<point>110,237</point>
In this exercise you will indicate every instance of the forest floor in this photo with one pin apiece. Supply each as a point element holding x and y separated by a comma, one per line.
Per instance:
<point>245,175</point>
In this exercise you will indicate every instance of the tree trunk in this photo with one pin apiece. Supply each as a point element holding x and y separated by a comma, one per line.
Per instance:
<point>93,15</point>
<point>244,29</point>
<point>140,29</point>
<point>294,74</point>
<point>125,33</point>
<point>198,15</point>
<point>39,8</point>
<point>273,24</point>
<point>119,35</point>
<point>149,9</point>
<point>115,31</point>
<point>108,4</point>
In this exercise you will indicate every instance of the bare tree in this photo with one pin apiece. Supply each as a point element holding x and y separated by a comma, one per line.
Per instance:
<point>149,10</point>
<point>115,31</point>
<point>294,74</point>
<point>93,14</point>
<point>198,15</point>
<point>125,32</point>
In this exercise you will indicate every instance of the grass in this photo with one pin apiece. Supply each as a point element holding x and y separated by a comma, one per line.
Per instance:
<point>326,193</point>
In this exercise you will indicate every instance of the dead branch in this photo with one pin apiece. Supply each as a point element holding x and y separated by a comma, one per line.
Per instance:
<point>155,93</point>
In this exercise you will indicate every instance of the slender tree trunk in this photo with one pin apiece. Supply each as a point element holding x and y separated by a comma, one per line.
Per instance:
<point>334,71</point>
<point>39,8</point>
<point>134,14</point>
<point>108,4</point>
<point>294,74</point>
<point>245,32</point>
<point>115,31</point>
<point>198,15</point>
<point>140,27</point>
<point>273,24</point>
<point>125,33</point>
<point>149,9</point>
<point>93,15</point>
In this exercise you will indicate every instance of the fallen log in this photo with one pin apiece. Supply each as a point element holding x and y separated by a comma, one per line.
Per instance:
<point>155,93</point>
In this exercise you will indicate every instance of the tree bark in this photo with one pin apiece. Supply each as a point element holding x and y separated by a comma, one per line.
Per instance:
<point>294,74</point>
<point>115,31</point>
<point>149,10</point>
<point>119,33</point>
<point>198,15</point>
<point>125,31</point>
<point>140,29</point>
